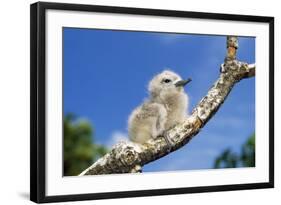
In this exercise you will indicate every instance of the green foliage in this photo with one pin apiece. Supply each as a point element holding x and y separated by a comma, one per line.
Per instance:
<point>80,151</point>
<point>248,152</point>
<point>229,159</point>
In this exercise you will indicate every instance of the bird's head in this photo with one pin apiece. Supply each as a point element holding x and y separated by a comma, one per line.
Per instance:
<point>166,83</point>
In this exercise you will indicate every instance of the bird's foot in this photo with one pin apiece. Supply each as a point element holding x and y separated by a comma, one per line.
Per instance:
<point>168,141</point>
<point>197,124</point>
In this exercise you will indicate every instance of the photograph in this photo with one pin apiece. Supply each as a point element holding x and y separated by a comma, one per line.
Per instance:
<point>133,86</point>
<point>133,102</point>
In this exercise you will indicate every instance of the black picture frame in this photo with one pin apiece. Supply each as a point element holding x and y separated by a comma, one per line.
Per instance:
<point>38,101</point>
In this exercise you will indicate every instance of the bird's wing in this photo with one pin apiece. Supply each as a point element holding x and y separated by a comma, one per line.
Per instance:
<point>159,114</point>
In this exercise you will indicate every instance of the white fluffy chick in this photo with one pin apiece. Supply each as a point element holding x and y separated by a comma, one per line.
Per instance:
<point>166,107</point>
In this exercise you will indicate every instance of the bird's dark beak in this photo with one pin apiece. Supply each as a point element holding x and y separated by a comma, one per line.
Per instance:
<point>182,82</point>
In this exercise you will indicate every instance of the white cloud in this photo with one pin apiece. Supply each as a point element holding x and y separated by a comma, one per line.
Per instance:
<point>116,136</point>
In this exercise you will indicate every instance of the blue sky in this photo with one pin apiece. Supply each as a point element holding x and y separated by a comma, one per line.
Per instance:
<point>106,75</point>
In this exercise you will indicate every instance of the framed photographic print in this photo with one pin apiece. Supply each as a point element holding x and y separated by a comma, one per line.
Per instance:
<point>129,102</point>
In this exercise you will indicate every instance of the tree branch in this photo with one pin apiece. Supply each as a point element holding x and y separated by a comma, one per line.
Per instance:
<point>126,157</point>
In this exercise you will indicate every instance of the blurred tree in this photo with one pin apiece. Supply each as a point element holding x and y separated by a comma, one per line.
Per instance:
<point>80,151</point>
<point>248,152</point>
<point>229,159</point>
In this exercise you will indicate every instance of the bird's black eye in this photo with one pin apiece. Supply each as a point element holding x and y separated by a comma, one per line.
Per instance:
<point>166,80</point>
